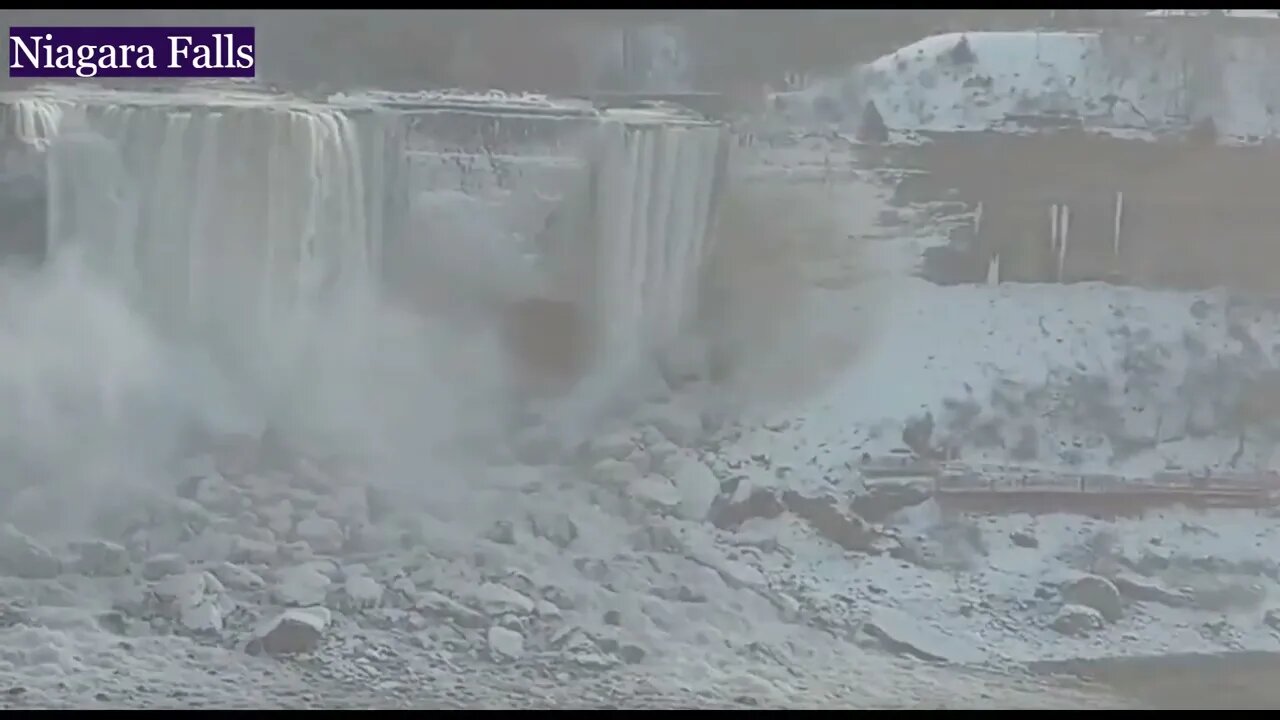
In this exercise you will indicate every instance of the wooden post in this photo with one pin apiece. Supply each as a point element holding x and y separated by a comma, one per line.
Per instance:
<point>1053,231</point>
<point>1053,228</point>
<point>1115,245</point>
<point>1063,225</point>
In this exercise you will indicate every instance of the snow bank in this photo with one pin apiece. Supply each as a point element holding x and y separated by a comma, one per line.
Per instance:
<point>1101,379</point>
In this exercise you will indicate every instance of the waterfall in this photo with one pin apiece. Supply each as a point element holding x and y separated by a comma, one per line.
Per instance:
<point>216,263</point>
<point>27,125</point>
<point>31,121</point>
<point>655,189</point>
<point>264,228</point>
<point>248,229</point>
<point>236,223</point>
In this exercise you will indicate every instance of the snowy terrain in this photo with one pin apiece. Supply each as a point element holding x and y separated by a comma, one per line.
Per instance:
<point>1101,379</point>
<point>1116,82</point>
<point>594,577</point>
<point>1107,379</point>
<point>708,548</point>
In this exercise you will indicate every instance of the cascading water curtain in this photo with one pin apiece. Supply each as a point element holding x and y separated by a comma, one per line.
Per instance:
<point>27,126</point>
<point>656,192</point>
<point>32,121</point>
<point>236,221</point>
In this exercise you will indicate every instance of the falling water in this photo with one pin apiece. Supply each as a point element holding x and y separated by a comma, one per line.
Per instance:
<point>216,264</point>
<point>259,228</point>
<point>235,224</point>
<point>656,186</point>
<point>27,125</point>
<point>32,121</point>
<point>246,228</point>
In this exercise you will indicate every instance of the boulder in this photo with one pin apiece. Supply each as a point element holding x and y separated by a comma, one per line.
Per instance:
<point>1024,539</point>
<point>100,558</point>
<point>254,552</point>
<point>301,586</point>
<point>902,633</point>
<point>1094,592</point>
<point>656,492</point>
<point>1145,591</point>
<point>497,599</point>
<point>218,495</point>
<point>236,577</point>
<point>294,631</point>
<point>324,535</point>
<point>505,643</point>
<point>557,528</point>
<point>1077,620</point>
<point>1271,619</point>
<point>361,592</point>
<point>187,587</point>
<point>886,496</point>
<point>615,446</point>
<point>163,565</point>
<point>614,473</point>
<point>202,615</point>
<point>697,487</point>
<point>680,426</point>
<point>441,605</point>
<point>23,557</point>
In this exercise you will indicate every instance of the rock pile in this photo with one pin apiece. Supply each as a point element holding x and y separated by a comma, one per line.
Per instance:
<point>275,554</point>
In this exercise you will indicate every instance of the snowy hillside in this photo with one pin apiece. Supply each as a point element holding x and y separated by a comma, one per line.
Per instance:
<point>985,80</point>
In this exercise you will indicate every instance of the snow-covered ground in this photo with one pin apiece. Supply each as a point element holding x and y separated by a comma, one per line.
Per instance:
<point>1086,378</point>
<point>1112,81</point>
<point>717,546</point>
<point>1108,379</point>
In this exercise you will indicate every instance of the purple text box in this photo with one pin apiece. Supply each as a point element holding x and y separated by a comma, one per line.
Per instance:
<point>142,52</point>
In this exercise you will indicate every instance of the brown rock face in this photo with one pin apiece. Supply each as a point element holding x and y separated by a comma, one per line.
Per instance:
<point>548,343</point>
<point>824,514</point>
